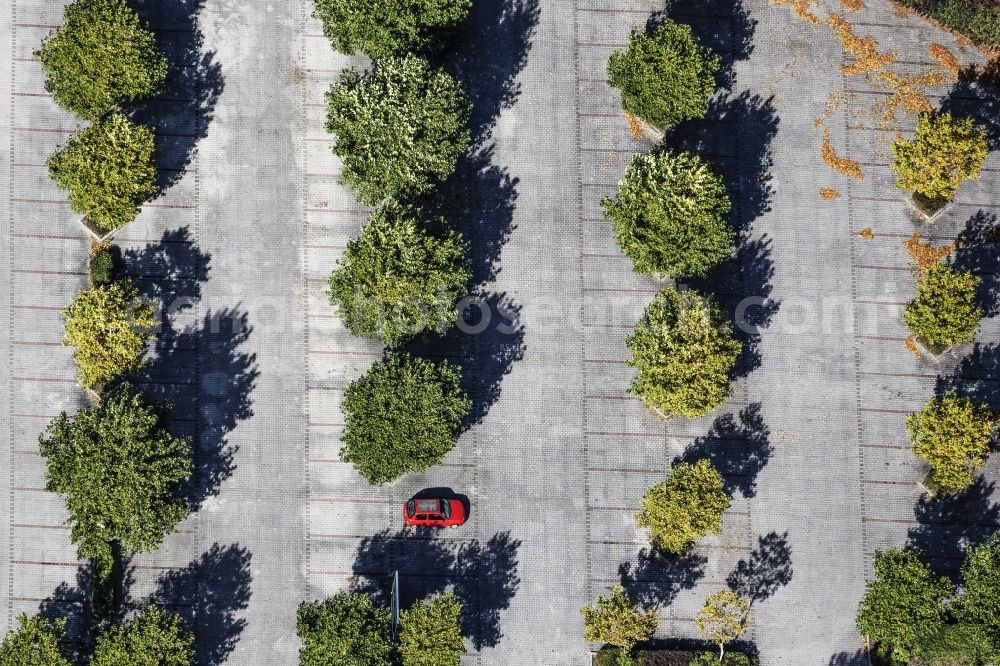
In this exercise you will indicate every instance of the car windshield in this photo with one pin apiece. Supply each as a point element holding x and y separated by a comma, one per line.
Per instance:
<point>410,509</point>
<point>446,509</point>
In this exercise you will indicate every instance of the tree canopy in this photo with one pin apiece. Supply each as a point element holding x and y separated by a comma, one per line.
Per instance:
<point>945,151</point>
<point>402,416</point>
<point>344,630</point>
<point>399,128</point>
<point>944,311</point>
<point>398,279</point>
<point>685,507</point>
<point>665,76</point>
<point>108,327</point>
<point>429,633</point>
<point>616,619</point>
<point>108,171</point>
<point>724,618</point>
<point>384,28</point>
<point>119,469</point>
<point>154,638</point>
<point>979,602</point>
<point>902,604</point>
<point>35,642</point>
<point>684,351</point>
<point>955,436</point>
<point>101,57</point>
<point>671,215</point>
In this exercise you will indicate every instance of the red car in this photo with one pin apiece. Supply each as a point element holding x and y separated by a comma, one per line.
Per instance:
<point>423,512</point>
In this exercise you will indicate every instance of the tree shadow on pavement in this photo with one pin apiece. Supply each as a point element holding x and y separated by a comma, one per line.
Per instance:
<point>765,571</point>
<point>973,99</point>
<point>482,575</point>
<point>209,593</point>
<point>856,658</point>
<point>977,376</point>
<point>655,579</point>
<point>947,528</point>
<point>977,251</point>
<point>181,114</point>
<point>71,602</point>
<point>486,344</point>
<point>738,446</point>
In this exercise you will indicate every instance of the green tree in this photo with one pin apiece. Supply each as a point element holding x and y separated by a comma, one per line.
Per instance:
<point>154,638</point>
<point>108,327</point>
<point>685,507</point>
<point>955,436</point>
<point>35,642</point>
<point>119,469</point>
<point>944,152</point>
<point>108,170</point>
<point>902,604</point>
<point>617,620</point>
<point>954,645</point>
<point>429,634</point>
<point>944,311</point>
<point>399,279</point>
<point>724,618</point>
<point>402,416</point>
<point>399,127</point>
<point>684,351</point>
<point>979,603</point>
<point>101,57</point>
<point>344,630</point>
<point>671,215</point>
<point>384,28</point>
<point>665,76</point>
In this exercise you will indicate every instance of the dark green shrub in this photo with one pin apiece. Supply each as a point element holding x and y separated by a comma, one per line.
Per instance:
<point>154,638</point>
<point>397,279</point>
<point>108,170</point>
<point>119,469</point>
<point>979,603</point>
<point>944,311</point>
<point>954,645</point>
<point>399,128</point>
<point>35,642</point>
<point>671,215</point>
<point>729,659</point>
<point>666,76</point>
<point>344,630</point>
<point>402,416</point>
<point>383,28</point>
<point>977,20</point>
<point>102,267</point>
<point>685,351</point>
<point>902,604</point>
<point>101,57</point>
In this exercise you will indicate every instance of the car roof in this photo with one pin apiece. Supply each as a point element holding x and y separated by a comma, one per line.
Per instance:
<point>428,505</point>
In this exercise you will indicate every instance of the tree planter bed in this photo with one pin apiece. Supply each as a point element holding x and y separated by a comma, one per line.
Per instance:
<point>927,211</point>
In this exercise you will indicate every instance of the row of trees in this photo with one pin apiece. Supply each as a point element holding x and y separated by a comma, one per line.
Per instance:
<point>671,219</point>
<point>399,130</point>
<point>116,463</point>
<point>916,617</point>
<point>352,629</point>
<point>102,58</point>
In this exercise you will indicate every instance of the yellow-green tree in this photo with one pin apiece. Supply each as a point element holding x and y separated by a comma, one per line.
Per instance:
<point>617,620</point>
<point>108,327</point>
<point>955,436</point>
<point>724,618</point>
<point>945,151</point>
<point>429,633</point>
<point>944,311</point>
<point>685,507</point>
<point>36,641</point>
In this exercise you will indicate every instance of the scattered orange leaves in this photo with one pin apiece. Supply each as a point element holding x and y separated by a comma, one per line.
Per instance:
<point>828,193</point>
<point>852,5</point>
<point>842,164</point>
<point>801,9</point>
<point>947,59</point>
<point>866,234</point>
<point>911,344</point>
<point>635,126</point>
<point>925,255</point>
<point>906,94</point>
<point>97,246</point>
<point>864,49</point>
